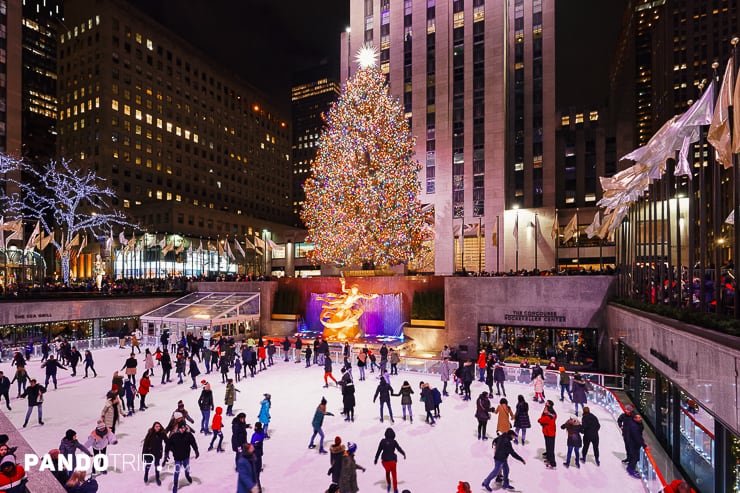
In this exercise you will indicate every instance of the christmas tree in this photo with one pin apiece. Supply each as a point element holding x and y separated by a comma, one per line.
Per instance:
<point>362,198</point>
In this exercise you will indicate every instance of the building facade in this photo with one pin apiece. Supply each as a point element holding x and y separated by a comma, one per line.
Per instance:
<point>311,97</point>
<point>166,127</point>
<point>476,79</point>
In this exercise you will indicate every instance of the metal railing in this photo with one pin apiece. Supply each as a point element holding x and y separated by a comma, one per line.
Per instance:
<point>80,344</point>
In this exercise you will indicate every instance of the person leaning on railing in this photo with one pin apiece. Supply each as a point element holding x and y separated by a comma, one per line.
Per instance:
<point>678,486</point>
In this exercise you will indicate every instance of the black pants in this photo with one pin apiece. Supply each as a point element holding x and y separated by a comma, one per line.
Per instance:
<point>150,460</point>
<point>89,366</point>
<point>590,441</point>
<point>482,424</point>
<point>166,375</point>
<point>550,450</point>
<point>7,398</point>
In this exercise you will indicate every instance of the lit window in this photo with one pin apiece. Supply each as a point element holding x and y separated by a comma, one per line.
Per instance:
<point>593,116</point>
<point>159,123</point>
<point>565,121</point>
<point>113,105</point>
<point>138,38</point>
<point>590,197</point>
<point>126,109</point>
<point>138,115</point>
<point>149,44</point>
<point>159,194</point>
<point>126,203</point>
<point>169,195</point>
<point>579,118</point>
<point>149,119</point>
<point>169,127</point>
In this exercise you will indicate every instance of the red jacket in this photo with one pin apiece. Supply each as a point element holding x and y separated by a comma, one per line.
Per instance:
<point>548,424</point>
<point>13,482</point>
<point>673,487</point>
<point>217,423</point>
<point>144,384</point>
<point>482,360</point>
<point>261,352</point>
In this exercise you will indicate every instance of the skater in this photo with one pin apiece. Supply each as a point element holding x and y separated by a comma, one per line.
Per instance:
<point>89,363</point>
<point>51,366</point>
<point>308,355</point>
<point>564,381</point>
<point>230,397</point>
<point>579,391</point>
<point>348,476</point>
<point>573,429</point>
<point>153,450</point>
<point>406,392</point>
<point>336,454</point>
<point>428,399</point>
<point>504,449</point>
<point>144,384</point>
<point>149,361</point>
<point>21,376</point>
<point>467,378</point>
<point>634,442</point>
<point>482,414</point>
<point>348,397</point>
<point>100,438</point>
<point>166,363</point>
<point>206,353</point>
<point>180,363</point>
<point>130,392</point>
<point>118,388</point>
<point>504,414</point>
<point>5,389</point>
<point>286,348</point>
<point>112,412</point>
<point>264,414</point>
<point>387,453</point>
<point>217,426</point>
<point>193,372</point>
<point>538,383</point>
<point>316,423</point>
<point>239,435</point>
<point>499,376</point>
<point>74,360</point>
<point>135,336</point>
<point>130,367</point>
<point>547,420</point>
<point>271,350</point>
<point>394,359</point>
<point>481,365</point>
<point>361,363</point>
<point>521,419</point>
<point>327,372</point>
<point>385,391</point>
<point>205,403</point>
<point>69,446</point>
<point>258,442</point>
<point>444,375</point>
<point>262,356</point>
<point>223,364</point>
<point>298,347</point>
<point>489,375</point>
<point>179,445</point>
<point>247,477</point>
<point>238,369</point>
<point>35,394</point>
<point>590,428</point>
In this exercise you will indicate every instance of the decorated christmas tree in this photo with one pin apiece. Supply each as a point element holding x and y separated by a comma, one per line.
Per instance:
<point>362,198</point>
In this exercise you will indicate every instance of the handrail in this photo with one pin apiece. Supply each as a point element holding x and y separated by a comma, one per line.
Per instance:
<point>703,428</point>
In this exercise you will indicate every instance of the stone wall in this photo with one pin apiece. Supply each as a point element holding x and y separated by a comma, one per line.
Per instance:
<point>702,362</point>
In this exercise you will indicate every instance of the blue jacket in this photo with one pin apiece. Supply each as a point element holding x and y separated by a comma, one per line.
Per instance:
<point>264,415</point>
<point>246,477</point>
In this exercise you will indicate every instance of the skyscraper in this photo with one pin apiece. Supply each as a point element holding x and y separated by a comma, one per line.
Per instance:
<point>187,146</point>
<point>476,79</point>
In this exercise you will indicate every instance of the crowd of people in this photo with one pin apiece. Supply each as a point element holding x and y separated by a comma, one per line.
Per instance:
<point>193,360</point>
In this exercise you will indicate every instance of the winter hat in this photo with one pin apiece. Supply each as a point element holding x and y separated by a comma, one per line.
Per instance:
<point>629,408</point>
<point>268,396</point>
<point>8,459</point>
<point>101,424</point>
<point>562,369</point>
<point>180,404</point>
<point>323,400</point>
<point>337,440</point>
<point>70,434</point>
<point>351,447</point>
<point>203,382</point>
<point>177,415</point>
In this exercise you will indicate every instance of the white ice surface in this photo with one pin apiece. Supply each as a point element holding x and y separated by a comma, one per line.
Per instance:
<point>438,457</point>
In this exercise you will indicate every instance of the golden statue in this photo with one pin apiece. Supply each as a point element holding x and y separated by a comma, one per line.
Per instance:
<point>340,312</point>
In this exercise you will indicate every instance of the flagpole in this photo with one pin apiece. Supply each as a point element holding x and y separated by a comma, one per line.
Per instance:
<point>578,242</point>
<point>516,260</point>
<point>498,240</point>
<point>557,242</point>
<point>480,230</point>
<point>462,244</point>
<point>535,241</point>
<point>736,194</point>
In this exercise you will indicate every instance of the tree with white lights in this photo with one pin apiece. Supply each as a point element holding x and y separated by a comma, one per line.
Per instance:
<point>67,202</point>
<point>362,198</point>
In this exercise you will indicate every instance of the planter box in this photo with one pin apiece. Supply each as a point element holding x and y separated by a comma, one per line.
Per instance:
<point>285,316</point>
<point>427,323</point>
<point>368,273</point>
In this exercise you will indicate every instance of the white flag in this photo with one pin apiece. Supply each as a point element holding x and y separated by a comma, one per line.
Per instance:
<point>259,243</point>
<point>239,247</point>
<point>249,244</point>
<point>227,248</point>
<point>571,229</point>
<point>83,243</point>
<point>122,239</point>
<point>33,239</point>
<point>731,218</point>
<point>516,231</point>
<point>594,226</point>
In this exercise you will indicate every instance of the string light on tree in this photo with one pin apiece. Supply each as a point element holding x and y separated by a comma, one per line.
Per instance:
<point>362,197</point>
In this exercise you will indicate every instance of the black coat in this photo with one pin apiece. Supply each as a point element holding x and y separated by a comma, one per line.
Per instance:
<point>179,445</point>
<point>154,443</point>
<point>590,426</point>
<point>51,367</point>
<point>33,392</point>
<point>238,434</point>
<point>4,385</point>
<point>384,391</point>
<point>632,433</point>
<point>205,402</point>
<point>166,361</point>
<point>504,449</point>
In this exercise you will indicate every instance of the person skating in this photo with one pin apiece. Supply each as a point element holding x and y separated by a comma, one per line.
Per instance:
<point>481,365</point>
<point>217,427</point>
<point>504,413</point>
<point>482,414</point>
<point>328,371</point>
<point>21,376</point>
<point>144,385</point>
<point>100,438</point>
<point>262,356</point>
<point>348,475</point>
<point>444,374</point>
<point>271,350</point>
<point>286,348</point>
<point>89,364</point>
<point>348,397</point>
<point>316,424</point>
<point>239,428</point>
<point>503,447</point>
<point>118,389</point>
<point>230,397</point>
<point>361,363</point>
<point>130,366</point>
<point>179,446</point>
<point>69,445</point>
<point>74,360</point>
<point>538,383</point>
<point>129,390</point>
<point>166,362</point>
<point>258,442</point>
<point>193,372</point>
<point>394,358</point>
<point>579,391</point>
<point>336,454</point>
<point>5,389</point>
<point>264,414</point>
<point>406,392</point>
<point>564,381</point>
<point>112,412</point>
<point>35,394</point>
<point>149,361</point>
<point>51,366</point>
<point>547,420</point>
<point>634,442</point>
<point>467,378</point>
<point>238,369</point>
<point>298,348</point>
<point>309,352</point>
<point>205,403</point>
<point>499,376</point>
<point>180,363</point>
<point>245,467</point>
<point>384,391</point>
<point>573,429</point>
<point>428,399</point>
<point>387,453</point>
<point>521,419</point>
<point>153,450</point>
<point>590,428</point>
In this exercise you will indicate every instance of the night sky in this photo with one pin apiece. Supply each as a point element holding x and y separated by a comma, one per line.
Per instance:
<point>266,41</point>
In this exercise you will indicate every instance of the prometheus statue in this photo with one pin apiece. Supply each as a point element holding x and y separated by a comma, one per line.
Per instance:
<point>341,312</point>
